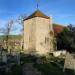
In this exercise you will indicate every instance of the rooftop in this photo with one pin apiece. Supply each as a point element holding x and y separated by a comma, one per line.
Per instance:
<point>57,28</point>
<point>37,13</point>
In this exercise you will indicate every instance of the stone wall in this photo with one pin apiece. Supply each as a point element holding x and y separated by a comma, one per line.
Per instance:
<point>37,37</point>
<point>29,35</point>
<point>43,37</point>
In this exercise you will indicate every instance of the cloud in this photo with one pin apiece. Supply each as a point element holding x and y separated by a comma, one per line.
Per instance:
<point>64,16</point>
<point>16,28</point>
<point>2,23</point>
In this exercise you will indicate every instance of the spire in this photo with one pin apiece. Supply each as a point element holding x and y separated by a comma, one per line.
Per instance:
<point>37,13</point>
<point>37,4</point>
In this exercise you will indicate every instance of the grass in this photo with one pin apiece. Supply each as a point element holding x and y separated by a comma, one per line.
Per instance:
<point>15,70</point>
<point>44,65</point>
<point>49,68</point>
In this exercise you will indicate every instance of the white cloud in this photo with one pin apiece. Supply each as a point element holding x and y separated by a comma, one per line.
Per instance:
<point>2,23</point>
<point>16,29</point>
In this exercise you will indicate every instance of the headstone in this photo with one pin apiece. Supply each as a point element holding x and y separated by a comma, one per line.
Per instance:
<point>4,57</point>
<point>69,62</point>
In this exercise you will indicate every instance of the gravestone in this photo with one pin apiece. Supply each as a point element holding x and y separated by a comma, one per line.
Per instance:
<point>69,62</point>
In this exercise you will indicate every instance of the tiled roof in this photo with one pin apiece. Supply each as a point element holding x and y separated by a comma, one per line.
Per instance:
<point>57,28</point>
<point>37,13</point>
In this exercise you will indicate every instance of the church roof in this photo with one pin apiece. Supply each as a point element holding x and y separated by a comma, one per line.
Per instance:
<point>58,28</point>
<point>37,13</point>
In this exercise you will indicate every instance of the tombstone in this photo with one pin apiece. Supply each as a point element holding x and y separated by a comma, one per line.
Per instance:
<point>69,63</point>
<point>4,56</point>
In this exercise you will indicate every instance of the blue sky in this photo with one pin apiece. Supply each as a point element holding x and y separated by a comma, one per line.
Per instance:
<point>62,11</point>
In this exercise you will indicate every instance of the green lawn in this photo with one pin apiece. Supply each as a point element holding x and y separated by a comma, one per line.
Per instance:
<point>43,65</point>
<point>48,68</point>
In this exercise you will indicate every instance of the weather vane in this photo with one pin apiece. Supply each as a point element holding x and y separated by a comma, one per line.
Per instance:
<point>37,4</point>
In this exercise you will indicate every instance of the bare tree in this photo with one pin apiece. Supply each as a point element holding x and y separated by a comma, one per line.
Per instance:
<point>6,35</point>
<point>6,32</point>
<point>8,29</point>
<point>21,22</point>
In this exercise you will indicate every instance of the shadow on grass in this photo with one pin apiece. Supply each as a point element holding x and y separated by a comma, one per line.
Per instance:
<point>69,72</point>
<point>42,64</point>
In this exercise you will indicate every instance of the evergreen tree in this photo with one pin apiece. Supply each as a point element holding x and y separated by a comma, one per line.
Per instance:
<point>66,39</point>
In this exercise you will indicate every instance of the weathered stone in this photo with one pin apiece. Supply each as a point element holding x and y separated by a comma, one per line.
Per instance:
<point>69,62</point>
<point>37,37</point>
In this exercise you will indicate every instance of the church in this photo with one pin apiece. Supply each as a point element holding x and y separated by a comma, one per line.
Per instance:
<point>39,33</point>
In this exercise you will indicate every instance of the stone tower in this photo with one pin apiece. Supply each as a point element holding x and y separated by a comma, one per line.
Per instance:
<point>38,34</point>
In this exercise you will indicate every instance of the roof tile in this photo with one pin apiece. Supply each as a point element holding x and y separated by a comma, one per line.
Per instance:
<point>37,13</point>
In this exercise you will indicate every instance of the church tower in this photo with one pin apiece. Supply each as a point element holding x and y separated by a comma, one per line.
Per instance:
<point>38,34</point>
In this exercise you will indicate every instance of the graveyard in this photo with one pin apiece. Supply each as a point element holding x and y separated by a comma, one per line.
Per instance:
<point>37,37</point>
<point>29,54</point>
<point>24,64</point>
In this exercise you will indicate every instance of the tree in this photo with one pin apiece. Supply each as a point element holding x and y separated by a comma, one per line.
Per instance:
<point>20,20</point>
<point>66,39</point>
<point>8,29</point>
<point>6,32</point>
